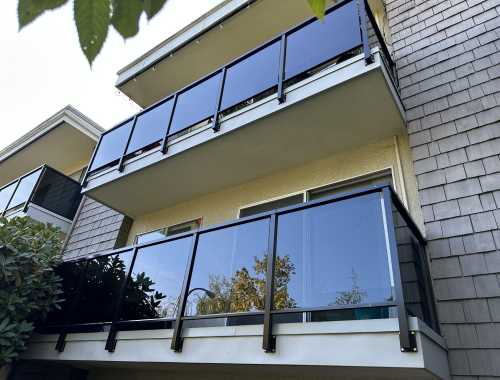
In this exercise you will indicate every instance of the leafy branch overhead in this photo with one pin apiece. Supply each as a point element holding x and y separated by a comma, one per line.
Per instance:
<point>93,18</point>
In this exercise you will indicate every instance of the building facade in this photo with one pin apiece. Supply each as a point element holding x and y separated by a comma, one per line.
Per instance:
<point>297,198</point>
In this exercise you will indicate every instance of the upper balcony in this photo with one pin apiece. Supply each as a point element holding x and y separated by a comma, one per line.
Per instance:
<point>312,92</point>
<point>338,285</point>
<point>43,194</point>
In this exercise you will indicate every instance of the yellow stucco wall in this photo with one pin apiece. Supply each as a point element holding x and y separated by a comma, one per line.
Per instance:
<point>223,205</point>
<point>76,166</point>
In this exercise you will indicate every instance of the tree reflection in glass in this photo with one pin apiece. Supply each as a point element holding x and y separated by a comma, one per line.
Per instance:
<point>338,251</point>
<point>154,287</point>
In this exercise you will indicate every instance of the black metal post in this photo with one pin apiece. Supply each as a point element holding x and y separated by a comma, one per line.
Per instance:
<point>176,337</point>
<point>84,182</point>
<point>164,143</point>
<point>215,124</point>
<point>61,341</point>
<point>406,338</point>
<point>269,340</point>
<point>111,341</point>
<point>122,158</point>
<point>366,46</point>
<point>281,70</point>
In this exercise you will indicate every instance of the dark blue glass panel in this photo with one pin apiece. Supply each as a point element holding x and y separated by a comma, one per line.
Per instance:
<point>154,288</point>
<point>319,42</point>
<point>195,105</point>
<point>229,273</point>
<point>251,76</point>
<point>100,292</point>
<point>5,195</point>
<point>150,127</point>
<point>112,145</point>
<point>24,189</point>
<point>334,254</point>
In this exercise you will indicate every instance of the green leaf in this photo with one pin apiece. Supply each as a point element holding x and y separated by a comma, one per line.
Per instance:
<point>152,7</point>
<point>92,22</point>
<point>126,15</point>
<point>318,8</point>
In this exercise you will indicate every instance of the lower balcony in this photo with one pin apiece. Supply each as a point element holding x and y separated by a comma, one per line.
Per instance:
<point>337,286</point>
<point>45,195</point>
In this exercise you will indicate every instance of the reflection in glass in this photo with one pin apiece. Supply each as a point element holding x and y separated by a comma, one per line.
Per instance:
<point>70,274</point>
<point>24,189</point>
<point>150,236</point>
<point>321,41</point>
<point>5,195</point>
<point>154,288</point>
<point>229,273</point>
<point>414,272</point>
<point>334,254</point>
<point>150,127</point>
<point>112,146</point>
<point>251,76</point>
<point>101,288</point>
<point>195,105</point>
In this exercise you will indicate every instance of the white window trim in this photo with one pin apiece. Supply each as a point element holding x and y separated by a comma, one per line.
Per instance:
<point>166,228</point>
<point>342,182</point>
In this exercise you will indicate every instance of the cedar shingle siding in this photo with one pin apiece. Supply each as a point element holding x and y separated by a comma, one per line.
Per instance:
<point>97,229</point>
<point>448,58</point>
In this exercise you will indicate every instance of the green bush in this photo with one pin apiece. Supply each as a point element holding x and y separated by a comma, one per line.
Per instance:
<point>29,288</point>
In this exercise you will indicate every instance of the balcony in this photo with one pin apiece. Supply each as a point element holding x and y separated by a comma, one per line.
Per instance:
<point>43,194</point>
<point>314,91</point>
<point>337,286</point>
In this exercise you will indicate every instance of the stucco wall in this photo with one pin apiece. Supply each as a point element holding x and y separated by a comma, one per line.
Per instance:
<point>76,166</point>
<point>223,205</point>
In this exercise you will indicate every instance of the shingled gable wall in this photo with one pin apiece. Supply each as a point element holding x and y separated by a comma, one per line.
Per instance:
<point>97,229</point>
<point>448,58</point>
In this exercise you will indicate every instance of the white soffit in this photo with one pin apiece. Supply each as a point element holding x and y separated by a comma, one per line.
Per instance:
<point>63,140</point>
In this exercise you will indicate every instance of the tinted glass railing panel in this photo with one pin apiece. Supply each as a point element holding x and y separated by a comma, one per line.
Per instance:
<point>415,277</point>
<point>5,195</point>
<point>229,270</point>
<point>24,189</point>
<point>319,41</point>
<point>251,76</point>
<point>100,292</point>
<point>70,274</point>
<point>154,288</point>
<point>334,254</point>
<point>150,127</point>
<point>112,146</point>
<point>58,194</point>
<point>196,104</point>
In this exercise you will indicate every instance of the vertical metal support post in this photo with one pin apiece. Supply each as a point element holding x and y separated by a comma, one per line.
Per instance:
<point>176,345</point>
<point>122,158</point>
<point>111,341</point>
<point>281,70</point>
<point>84,182</point>
<point>33,190</point>
<point>269,340</point>
<point>164,143</point>
<point>364,32</point>
<point>61,341</point>
<point>215,124</point>
<point>406,339</point>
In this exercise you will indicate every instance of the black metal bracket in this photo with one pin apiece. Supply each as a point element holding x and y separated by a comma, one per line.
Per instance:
<point>111,340</point>
<point>364,32</point>
<point>61,341</point>
<point>413,343</point>
<point>272,345</point>
<point>281,73</point>
<point>177,341</point>
<point>215,124</point>
<point>164,147</point>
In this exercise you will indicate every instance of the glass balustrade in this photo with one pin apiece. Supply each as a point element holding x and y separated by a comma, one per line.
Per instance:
<point>309,48</point>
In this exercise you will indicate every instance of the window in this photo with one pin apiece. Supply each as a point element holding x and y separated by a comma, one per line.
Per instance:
<point>272,205</point>
<point>168,231</point>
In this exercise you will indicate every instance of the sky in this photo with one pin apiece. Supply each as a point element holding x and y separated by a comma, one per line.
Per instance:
<point>44,70</point>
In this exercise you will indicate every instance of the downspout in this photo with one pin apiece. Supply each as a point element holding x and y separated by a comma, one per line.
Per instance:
<point>400,171</point>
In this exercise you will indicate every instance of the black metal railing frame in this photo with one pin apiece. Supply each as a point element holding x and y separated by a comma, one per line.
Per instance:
<point>363,8</point>
<point>389,199</point>
<point>43,169</point>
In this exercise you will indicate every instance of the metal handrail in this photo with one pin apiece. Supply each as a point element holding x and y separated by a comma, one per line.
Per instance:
<point>390,198</point>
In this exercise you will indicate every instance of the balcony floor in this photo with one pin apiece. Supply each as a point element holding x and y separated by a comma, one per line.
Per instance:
<point>342,108</point>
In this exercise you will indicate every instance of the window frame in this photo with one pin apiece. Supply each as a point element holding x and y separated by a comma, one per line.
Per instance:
<point>137,236</point>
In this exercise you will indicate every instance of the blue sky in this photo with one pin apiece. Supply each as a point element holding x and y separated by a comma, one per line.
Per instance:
<point>43,68</point>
